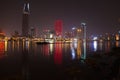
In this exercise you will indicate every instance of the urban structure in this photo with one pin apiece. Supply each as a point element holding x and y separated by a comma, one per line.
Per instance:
<point>32,32</point>
<point>56,31</point>
<point>2,35</point>
<point>25,19</point>
<point>58,28</point>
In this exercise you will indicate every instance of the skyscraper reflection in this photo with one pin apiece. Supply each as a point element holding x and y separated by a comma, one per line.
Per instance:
<point>18,45</point>
<point>95,44</point>
<point>101,46</point>
<point>107,46</point>
<point>13,45</point>
<point>79,49</point>
<point>73,52</point>
<point>51,48</point>
<point>117,44</point>
<point>58,54</point>
<point>46,50</point>
<point>6,46</point>
<point>26,45</point>
<point>25,62</point>
<point>2,49</point>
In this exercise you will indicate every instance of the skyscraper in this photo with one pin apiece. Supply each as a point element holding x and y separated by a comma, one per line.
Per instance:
<point>58,27</point>
<point>25,19</point>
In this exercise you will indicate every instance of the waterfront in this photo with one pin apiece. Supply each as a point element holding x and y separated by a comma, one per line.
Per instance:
<point>28,61</point>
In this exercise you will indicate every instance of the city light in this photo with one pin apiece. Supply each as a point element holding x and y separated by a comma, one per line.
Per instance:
<point>59,40</point>
<point>73,28</point>
<point>95,45</point>
<point>117,37</point>
<point>95,38</point>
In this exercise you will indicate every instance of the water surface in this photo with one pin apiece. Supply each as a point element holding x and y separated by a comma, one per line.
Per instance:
<point>29,61</point>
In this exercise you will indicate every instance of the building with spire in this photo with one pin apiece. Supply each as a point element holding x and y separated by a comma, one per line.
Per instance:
<point>25,19</point>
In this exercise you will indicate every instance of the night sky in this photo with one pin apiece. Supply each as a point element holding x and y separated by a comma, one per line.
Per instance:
<point>101,16</point>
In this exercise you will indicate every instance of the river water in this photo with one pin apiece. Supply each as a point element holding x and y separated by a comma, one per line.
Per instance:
<point>29,61</point>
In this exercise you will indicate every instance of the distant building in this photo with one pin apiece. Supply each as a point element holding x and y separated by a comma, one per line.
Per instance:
<point>2,36</point>
<point>119,32</point>
<point>74,32</point>
<point>77,32</point>
<point>68,35</point>
<point>58,27</point>
<point>47,33</point>
<point>25,20</point>
<point>33,32</point>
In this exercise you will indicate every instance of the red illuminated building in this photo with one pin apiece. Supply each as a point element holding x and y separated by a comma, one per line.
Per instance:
<point>58,27</point>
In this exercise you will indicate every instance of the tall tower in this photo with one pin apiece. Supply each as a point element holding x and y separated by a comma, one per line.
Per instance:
<point>25,19</point>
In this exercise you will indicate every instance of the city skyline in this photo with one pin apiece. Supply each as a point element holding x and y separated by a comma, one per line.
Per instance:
<point>100,16</point>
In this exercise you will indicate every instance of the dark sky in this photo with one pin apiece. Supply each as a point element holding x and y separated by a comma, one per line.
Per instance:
<point>101,16</point>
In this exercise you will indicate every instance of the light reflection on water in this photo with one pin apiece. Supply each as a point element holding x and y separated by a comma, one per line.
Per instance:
<point>117,44</point>
<point>51,48</point>
<point>2,49</point>
<point>95,45</point>
<point>73,52</point>
<point>75,48</point>
<point>58,54</point>
<point>36,58</point>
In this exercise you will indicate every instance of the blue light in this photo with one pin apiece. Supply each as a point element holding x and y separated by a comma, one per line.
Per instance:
<point>95,45</point>
<point>73,28</point>
<point>119,32</point>
<point>73,53</point>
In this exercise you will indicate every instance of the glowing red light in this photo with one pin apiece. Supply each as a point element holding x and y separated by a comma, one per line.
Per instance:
<point>2,49</point>
<point>58,54</point>
<point>58,27</point>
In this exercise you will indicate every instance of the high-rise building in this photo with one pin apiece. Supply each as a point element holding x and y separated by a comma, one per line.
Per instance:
<point>25,19</point>
<point>2,34</point>
<point>33,32</point>
<point>58,27</point>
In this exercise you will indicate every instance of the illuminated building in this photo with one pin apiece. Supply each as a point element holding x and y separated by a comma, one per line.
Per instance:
<point>33,32</point>
<point>77,32</point>
<point>2,35</point>
<point>58,28</point>
<point>68,35</point>
<point>16,34</point>
<point>117,37</point>
<point>119,32</point>
<point>107,36</point>
<point>47,33</point>
<point>74,32</point>
<point>25,20</point>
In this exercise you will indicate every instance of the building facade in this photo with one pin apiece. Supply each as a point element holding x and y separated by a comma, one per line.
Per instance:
<point>58,28</point>
<point>25,19</point>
